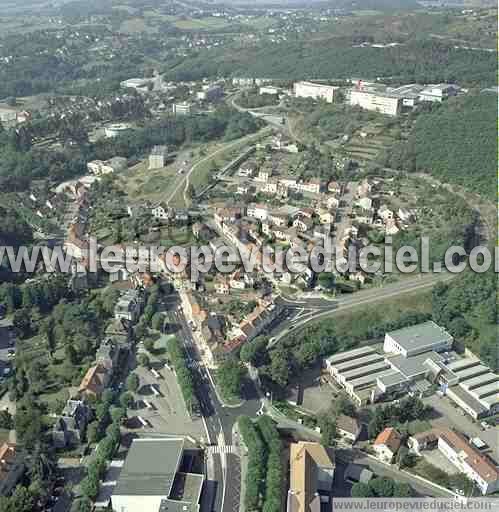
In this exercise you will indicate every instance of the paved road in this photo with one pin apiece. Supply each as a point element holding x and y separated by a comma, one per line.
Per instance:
<point>312,309</point>
<point>219,421</point>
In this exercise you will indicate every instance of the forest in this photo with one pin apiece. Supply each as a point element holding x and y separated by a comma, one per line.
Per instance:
<point>456,143</point>
<point>334,57</point>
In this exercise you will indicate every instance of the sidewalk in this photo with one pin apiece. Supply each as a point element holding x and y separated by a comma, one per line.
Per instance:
<point>243,460</point>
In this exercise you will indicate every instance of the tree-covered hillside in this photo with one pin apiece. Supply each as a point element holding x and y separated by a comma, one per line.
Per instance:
<point>336,57</point>
<point>456,142</point>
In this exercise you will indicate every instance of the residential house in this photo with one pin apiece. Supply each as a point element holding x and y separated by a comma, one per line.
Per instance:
<point>245,189</point>
<point>359,277</point>
<point>303,223</point>
<point>162,212</point>
<point>391,227</point>
<point>356,473</point>
<point>107,354</point>
<point>227,215</point>
<point>100,168</point>
<point>237,280</point>
<point>311,187</point>
<point>349,428</point>
<point>322,232</point>
<point>222,286</point>
<point>94,382</point>
<point>470,461</point>
<point>266,228</point>
<point>333,187</point>
<point>12,468</point>
<point>423,441</point>
<point>311,471</point>
<point>363,189</point>
<point>365,203</point>
<point>257,211</point>
<point>278,219</point>
<point>385,213</point>
<point>247,169</point>
<point>69,429</point>
<point>387,444</point>
<point>332,202</point>
<point>129,306</point>
<point>305,212</point>
<point>264,175</point>
<point>201,231</point>
<point>406,215</point>
<point>326,216</point>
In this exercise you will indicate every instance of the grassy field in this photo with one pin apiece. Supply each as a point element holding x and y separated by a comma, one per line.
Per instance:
<point>209,23</point>
<point>135,26</point>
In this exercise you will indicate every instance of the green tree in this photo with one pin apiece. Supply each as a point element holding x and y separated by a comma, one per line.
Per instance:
<point>132,382</point>
<point>158,321</point>
<point>361,490</point>
<point>127,400</point>
<point>381,486</point>
<point>230,377</point>
<point>144,360</point>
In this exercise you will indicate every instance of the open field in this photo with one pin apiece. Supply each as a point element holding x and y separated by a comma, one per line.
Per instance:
<point>201,24</point>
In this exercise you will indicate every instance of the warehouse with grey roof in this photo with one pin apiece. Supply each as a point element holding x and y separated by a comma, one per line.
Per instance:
<point>151,480</point>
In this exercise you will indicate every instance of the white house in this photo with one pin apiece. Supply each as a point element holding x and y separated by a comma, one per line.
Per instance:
<point>387,444</point>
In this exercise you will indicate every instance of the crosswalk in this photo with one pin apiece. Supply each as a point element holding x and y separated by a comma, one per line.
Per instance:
<point>222,449</point>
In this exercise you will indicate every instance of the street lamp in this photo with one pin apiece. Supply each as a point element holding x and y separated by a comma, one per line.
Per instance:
<point>269,395</point>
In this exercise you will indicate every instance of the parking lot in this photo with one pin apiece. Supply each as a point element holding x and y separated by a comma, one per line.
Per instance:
<point>168,413</point>
<point>7,345</point>
<point>449,415</point>
<point>313,394</point>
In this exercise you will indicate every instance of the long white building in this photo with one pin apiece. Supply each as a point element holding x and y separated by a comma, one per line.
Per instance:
<point>382,102</point>
<point>475,465</point>
<point>315,91</point>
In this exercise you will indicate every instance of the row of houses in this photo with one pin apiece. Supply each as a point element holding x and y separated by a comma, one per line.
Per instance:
<point>458,450</point>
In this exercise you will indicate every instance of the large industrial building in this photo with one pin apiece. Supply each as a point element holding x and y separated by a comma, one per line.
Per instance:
<point>418,339</point>
<point>154,479</point>
<point>472,386</point>
<point>315,91</point>
<point>410,362</point>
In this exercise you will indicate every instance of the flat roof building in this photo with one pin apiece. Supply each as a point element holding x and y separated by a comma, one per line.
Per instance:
<point>413,367</point>
<point>417,339</point>
<point>315,91</point>
<point>382,102</point>
<point>150,478</point>
<point>470,373</point>
<point>480,381</point>
<point>357,363</point>
<point>348,355</point>
<point>464,363</point>
<point>487,390</point>
<point>157,157</point>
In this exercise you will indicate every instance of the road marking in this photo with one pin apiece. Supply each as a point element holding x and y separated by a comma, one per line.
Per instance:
<point>222,449</point>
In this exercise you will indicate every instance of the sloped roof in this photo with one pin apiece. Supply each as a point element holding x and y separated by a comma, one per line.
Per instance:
<point>305,459</point>
<point>390,438</point>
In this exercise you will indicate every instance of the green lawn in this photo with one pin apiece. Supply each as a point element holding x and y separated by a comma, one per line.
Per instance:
<point>209,23</point>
